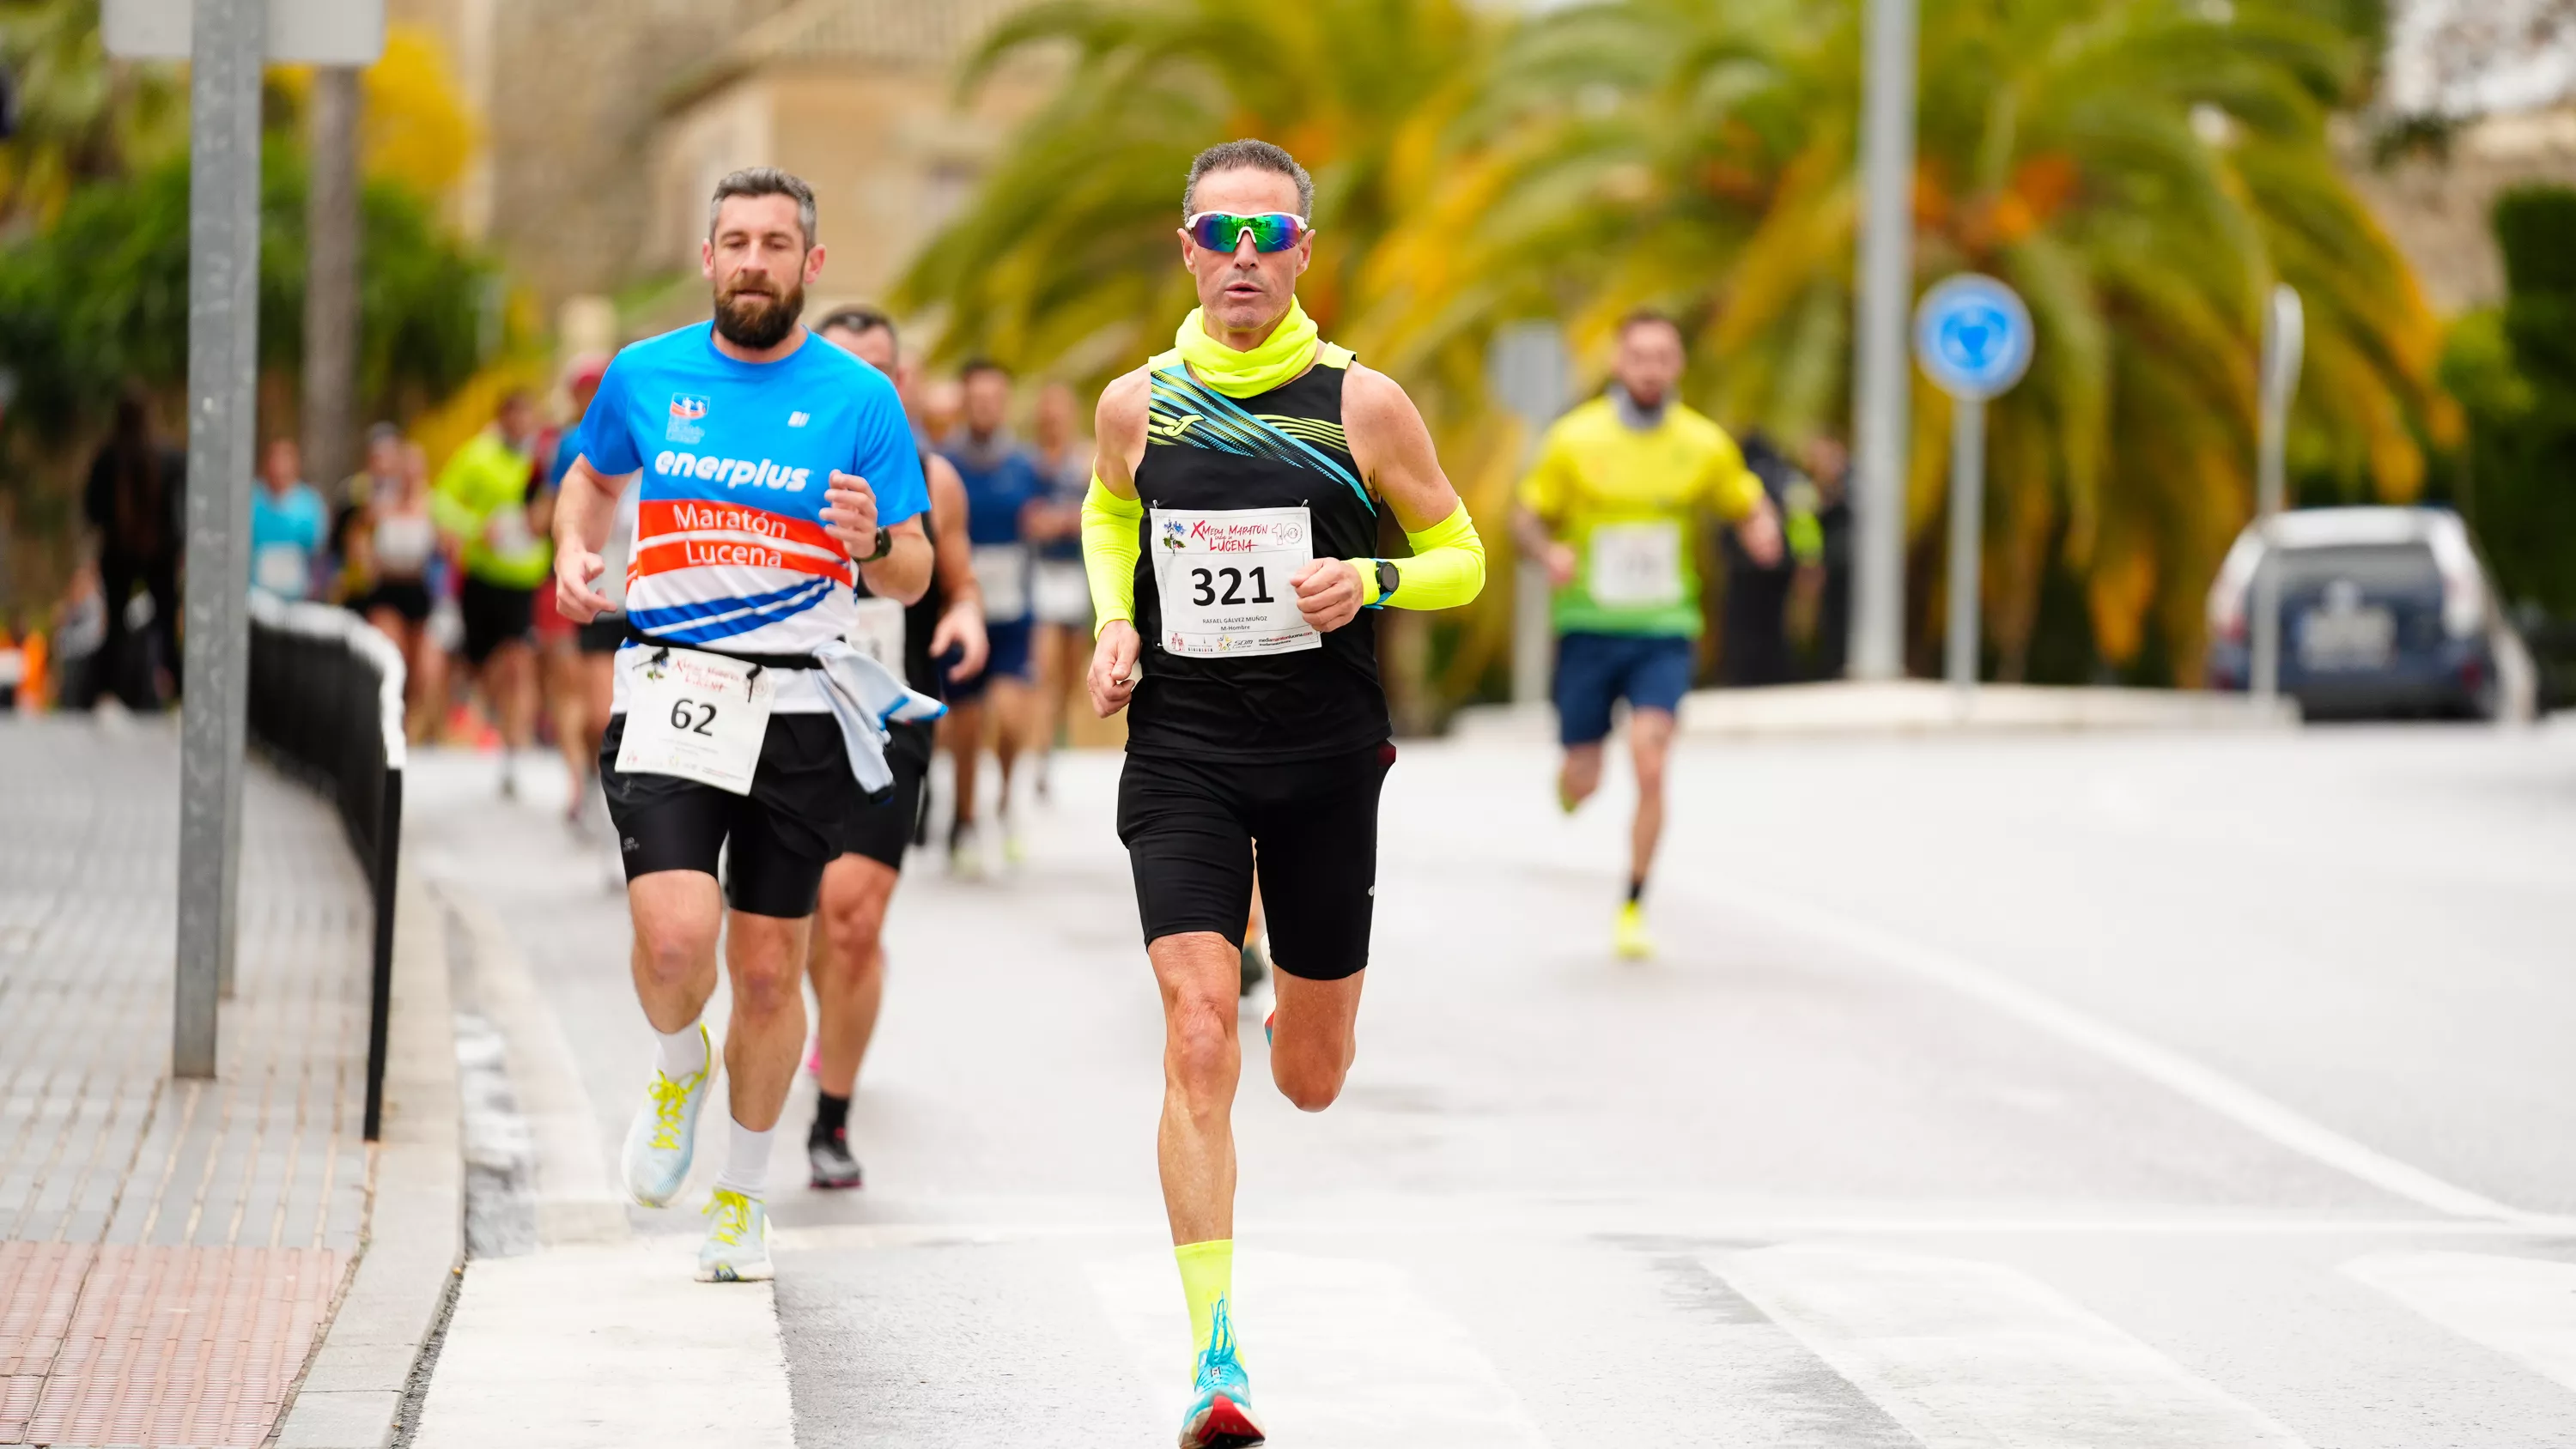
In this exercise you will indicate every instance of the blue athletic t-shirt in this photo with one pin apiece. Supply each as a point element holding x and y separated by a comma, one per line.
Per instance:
<point>1001,479</point>
<point>730,549</point>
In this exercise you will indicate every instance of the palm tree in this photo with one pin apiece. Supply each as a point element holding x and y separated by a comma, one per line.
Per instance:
<point>81,115</point>
<point>1065,257</point>
<point>2142,170</point>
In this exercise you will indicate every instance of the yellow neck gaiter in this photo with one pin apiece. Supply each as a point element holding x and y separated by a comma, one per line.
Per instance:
<point>1289,352</point>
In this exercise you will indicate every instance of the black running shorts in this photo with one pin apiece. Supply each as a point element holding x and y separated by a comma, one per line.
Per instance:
<point>781,835</point>
<point>881,831</point>
<point>494,615</point>
<point>603,635</point>
<point>1191,827</point>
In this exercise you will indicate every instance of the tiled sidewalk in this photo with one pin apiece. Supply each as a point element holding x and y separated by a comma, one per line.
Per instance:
<point>168,1250</point>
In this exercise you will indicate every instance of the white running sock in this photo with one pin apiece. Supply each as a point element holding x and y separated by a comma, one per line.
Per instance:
<point>683,1053</point>
<point>746,1168</point>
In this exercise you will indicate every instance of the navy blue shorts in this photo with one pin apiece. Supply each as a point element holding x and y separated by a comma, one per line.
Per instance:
<point>1594,671</point>
<point>1009,660</point>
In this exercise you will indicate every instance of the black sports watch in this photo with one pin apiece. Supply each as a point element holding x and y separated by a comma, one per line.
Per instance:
<point>1387,580</point>
<point>885,545</point>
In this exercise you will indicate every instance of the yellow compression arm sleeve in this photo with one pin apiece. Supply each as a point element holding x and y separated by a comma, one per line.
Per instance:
<point>1110,549</point>
<point>1447,568</point>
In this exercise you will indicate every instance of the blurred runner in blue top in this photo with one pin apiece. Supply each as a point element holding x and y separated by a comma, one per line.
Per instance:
<point>287,522</point>
<point>1003,493</point>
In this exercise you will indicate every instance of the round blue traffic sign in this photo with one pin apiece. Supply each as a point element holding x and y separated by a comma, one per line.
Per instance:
<point>1973,336</point>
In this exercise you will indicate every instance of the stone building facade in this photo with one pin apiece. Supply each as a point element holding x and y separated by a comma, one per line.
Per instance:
<point>2436,207</point>
<point>607,122</point>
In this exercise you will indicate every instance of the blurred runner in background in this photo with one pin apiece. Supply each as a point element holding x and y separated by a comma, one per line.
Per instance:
<point>287,525</point>
<point>1613,509</point>
<point>482,503</point>
<point>943,407</point>
<point>847,958</point>
<point>1060,598</point>
<point>398,540</point>
<point>382,470</point>
<point>1003,491</point>
<point>581,666</point>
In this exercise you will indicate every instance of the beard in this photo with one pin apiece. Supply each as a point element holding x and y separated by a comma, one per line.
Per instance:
<point>758,320</point>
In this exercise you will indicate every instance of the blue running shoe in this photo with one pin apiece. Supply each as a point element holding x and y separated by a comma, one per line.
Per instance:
<point>1221,1416</point>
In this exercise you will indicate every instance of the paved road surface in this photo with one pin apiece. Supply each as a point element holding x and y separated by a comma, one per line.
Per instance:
<point>2046,1092</point>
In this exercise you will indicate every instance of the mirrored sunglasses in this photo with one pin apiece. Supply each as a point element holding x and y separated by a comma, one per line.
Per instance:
<point>1272,231</point>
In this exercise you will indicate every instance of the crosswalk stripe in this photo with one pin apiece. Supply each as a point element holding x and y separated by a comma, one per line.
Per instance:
<point>608,1347</point>
<point>2521,1307</point>
<point>1342,1351</point>
<point>1971,1355</point>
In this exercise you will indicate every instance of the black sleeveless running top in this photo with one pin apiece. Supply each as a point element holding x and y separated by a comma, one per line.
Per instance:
<point>1284,448</point>
<point>920,672</point>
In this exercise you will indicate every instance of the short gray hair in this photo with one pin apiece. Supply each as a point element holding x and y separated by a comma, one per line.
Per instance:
<point>1249,155</point>
<point>765,181</point>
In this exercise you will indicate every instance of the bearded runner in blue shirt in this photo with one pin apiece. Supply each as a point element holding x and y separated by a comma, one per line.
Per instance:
<point>776,471</point>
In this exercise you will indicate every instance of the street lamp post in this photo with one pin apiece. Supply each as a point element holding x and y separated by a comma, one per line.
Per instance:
<point>1885,289</point>
<point>226,43</point>
<point>2284,348</point>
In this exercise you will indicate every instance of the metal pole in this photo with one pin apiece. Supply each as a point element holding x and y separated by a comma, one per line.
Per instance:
<point>1967,535</point>
<point>1879,384</point>
<point>331,231</point>
<point>223,312</point>
<point>2284,346</point>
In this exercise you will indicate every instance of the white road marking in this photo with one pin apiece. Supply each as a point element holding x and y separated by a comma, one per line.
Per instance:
<point>2522,1307</point>
<point>2219,1093</point>
<point>596,1347</point>
<point>1341,1351</point>
<point>1970,1355</point>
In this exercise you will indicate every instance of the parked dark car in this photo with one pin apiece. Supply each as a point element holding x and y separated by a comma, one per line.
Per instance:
<point>2385,612</point>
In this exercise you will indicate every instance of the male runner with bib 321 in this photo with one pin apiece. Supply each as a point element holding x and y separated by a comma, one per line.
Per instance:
<point>778,471</point>
<point>1228,538</point>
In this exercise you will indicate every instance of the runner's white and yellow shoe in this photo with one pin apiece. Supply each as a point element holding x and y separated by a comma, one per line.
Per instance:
<point>664,1135</point>
<point>737,1245</point>
<point>1629,937</point>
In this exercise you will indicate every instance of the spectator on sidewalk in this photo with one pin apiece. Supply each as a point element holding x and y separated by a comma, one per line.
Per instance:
<point>135,499</point>
<point>1755,640</point>
<point>79,635</point>
<point>1829,577</point>
<point>288,523</point>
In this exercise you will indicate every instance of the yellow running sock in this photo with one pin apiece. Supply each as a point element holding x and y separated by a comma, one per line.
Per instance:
<point>1207,1277</point>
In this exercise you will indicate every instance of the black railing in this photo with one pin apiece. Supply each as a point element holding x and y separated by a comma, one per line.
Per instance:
<point>326,701</point>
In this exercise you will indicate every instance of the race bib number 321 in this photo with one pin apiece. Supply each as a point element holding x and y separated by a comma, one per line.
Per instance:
<point>1224,581</point>
<point>697,716</point>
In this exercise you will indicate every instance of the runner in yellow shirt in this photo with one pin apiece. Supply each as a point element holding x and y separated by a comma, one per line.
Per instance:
<point>1612,508</point>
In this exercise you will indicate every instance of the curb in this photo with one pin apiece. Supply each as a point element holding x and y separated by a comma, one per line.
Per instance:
<point>353,1390</point>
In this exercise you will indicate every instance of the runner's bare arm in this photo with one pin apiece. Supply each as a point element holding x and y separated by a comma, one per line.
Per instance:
<point>850,515</point>
<point>1395,454</point>
<point>585,508</point>
<point>1108,518</point>
<point>962,623</point>
<point>1120,428</point>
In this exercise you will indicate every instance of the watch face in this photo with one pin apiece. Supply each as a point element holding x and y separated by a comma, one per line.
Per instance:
<point>1387,578</point>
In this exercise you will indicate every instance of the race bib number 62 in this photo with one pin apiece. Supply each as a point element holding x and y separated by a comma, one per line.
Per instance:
<point>697,716</point>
